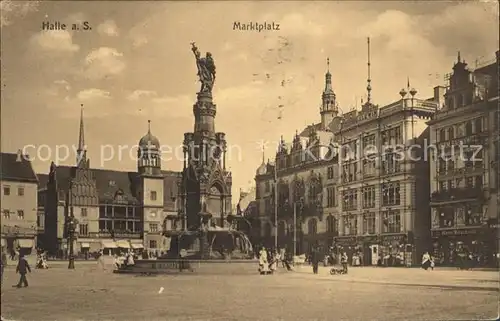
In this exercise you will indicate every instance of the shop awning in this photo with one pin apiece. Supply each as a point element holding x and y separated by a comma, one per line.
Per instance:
<point>108,245</point>
<point>123,244</point>
<point>84,244</point>
<point>137,246</point>
<point>25,243</point>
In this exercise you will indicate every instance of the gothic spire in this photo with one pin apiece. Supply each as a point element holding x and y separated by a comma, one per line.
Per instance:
<point>81,151</point>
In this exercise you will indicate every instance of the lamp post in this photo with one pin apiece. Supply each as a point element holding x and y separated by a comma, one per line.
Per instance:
<point>299,202</point>
<point>72,222</point>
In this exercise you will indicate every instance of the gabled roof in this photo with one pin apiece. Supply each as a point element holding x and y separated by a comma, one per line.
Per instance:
<point>110,182</point>
<point>16,167</point>
<point>307,131</point>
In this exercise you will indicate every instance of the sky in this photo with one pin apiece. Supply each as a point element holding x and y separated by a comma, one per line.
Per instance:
<point>136,64</point>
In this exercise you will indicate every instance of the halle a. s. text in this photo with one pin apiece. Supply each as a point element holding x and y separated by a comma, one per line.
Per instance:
<point>256,26</point>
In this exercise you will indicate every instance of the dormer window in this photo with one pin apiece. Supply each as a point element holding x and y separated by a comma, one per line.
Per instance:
<point>112,183</point>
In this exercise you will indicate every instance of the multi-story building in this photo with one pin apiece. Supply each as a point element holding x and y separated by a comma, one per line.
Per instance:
<point>19,186</point>
<point>115,209</point>
<point>464,174</point>
<point>304,179</point>
<point>382,168</point>
<point>361,198</point>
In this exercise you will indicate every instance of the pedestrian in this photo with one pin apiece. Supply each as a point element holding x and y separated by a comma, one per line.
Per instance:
<point>22,268</point>
<point>4,264</point>
<point>315,259</point>
<point>343,261</point>
<point>426,261</point>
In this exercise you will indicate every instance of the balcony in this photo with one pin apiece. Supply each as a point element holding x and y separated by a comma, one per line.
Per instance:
<point>116,234</point>
<point>456,194</point>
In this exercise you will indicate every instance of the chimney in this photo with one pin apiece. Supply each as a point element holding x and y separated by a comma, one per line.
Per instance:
<point>498,55</point>
<point>439,92</point>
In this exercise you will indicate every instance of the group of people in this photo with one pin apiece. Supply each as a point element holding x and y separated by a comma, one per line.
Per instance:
<point>269,260</point>
<point>125,259</point>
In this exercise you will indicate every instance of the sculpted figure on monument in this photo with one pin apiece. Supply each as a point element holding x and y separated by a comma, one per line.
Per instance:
<point>206,69</point>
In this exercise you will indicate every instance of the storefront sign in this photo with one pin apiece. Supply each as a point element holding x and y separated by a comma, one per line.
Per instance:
<point>345,240</point>
<point>392,238</point>
<point>370,239</point>
<point>454,232</point>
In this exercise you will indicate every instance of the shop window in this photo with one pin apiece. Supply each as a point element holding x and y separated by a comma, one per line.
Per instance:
<point>153,244</point>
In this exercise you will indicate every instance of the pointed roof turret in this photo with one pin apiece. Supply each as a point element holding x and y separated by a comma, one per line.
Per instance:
<point>81,156</point>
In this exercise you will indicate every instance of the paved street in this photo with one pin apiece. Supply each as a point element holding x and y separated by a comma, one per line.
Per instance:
<point>364,294</point>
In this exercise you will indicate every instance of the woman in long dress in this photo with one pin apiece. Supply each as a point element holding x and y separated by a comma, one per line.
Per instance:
<point>263,263</point>
<point>426,261</point>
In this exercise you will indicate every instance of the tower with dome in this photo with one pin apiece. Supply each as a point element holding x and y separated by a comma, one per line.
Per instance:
<point>116,210</point>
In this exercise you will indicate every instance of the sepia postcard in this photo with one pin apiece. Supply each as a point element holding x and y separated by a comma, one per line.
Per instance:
<point>250,160</point>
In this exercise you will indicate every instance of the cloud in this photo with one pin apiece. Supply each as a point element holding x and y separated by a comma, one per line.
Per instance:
<point>93,93</point>
<point>11,10</point>
<point>63,83</point>
<point>54,41</point>
<point>138,94</point>
<point>103,62</point>
<point>108,28</point>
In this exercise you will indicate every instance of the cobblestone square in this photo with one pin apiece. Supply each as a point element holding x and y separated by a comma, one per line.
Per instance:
<point>364,294</point>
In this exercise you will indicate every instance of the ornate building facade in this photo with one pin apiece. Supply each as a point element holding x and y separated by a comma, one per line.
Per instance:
<point>303,178</point>
<point>382,166</point>
<point>352,181</point>
<point>464,175</point>
<point>115,209</point>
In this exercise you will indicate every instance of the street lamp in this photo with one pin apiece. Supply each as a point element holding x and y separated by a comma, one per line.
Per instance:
<point>299,202</point>
<point>72,222</point>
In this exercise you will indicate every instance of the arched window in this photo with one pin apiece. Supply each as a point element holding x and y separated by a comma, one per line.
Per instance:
<point>468,128</point>
<point>312,226</point>
<point>442,135</point>
<point>267,230</point>
<point>281,228</point>
<point>451,133</point>
<point>460,101</point>
<point>331,224</point>
<point>478,124</point>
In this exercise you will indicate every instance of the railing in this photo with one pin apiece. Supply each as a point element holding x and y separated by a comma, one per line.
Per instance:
<point>124,235</point>
<point>458,194</point>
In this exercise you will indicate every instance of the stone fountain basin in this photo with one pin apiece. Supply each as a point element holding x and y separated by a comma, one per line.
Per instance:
<point>171,266</point>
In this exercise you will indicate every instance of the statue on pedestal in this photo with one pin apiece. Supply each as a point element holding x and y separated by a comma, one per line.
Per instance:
<point>206,69</point>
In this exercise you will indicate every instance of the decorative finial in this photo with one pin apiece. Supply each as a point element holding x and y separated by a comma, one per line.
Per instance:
<point>368,86</point>
<point>458,58</point>
<point>407,82</point>
<point>328,64</point>
<point>149,126</point>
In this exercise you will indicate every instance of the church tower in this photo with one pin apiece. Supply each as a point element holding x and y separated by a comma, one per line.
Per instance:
<point>329,109</point>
